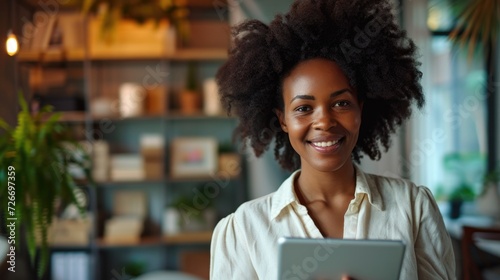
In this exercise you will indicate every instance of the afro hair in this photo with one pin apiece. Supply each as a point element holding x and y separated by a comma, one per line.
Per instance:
<point>360,36</point>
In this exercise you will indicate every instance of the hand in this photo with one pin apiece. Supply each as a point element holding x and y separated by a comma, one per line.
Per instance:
<point>346,277</point>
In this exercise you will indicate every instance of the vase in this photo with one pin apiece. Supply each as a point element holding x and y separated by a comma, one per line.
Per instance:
<point>455,209</point>
<point>190,102</point>
<point>488,203</point>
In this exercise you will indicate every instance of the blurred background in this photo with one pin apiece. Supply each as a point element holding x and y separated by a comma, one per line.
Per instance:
<point>133,83</point>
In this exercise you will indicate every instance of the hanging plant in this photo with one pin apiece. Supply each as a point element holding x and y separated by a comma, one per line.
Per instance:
<point>35,157</point>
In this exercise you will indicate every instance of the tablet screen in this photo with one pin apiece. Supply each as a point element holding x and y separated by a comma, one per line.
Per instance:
<point>329,259</point>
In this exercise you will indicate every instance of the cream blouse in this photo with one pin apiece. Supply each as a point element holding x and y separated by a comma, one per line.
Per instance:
<point>244,244</point>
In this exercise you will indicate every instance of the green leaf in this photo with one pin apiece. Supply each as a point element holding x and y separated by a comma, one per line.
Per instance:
<point>5,126</point>
<point>35,147</point>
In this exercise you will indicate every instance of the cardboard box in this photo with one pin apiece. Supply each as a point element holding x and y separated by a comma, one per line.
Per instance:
<point>131,39</point>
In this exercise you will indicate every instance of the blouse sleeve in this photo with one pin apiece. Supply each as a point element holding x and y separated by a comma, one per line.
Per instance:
<point>433,248</point>
<point>229,257</point>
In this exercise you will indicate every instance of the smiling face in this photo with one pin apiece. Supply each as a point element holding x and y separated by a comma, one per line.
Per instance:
<point>321,115</point>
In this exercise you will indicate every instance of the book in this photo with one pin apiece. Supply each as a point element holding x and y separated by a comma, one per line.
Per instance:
<point>44,24</point>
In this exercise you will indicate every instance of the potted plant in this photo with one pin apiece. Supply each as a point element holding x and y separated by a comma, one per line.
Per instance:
<point>190,97</point>
<point>35,158</point>
<point>458,196</point>
<point>112,11</point>
<point>196,212</point>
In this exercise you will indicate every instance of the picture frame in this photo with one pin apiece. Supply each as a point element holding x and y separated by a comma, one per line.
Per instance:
<point>193,157</point>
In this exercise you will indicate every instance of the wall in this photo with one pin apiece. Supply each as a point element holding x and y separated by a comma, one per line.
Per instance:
<point>497,88</point>
<point>8,98</point>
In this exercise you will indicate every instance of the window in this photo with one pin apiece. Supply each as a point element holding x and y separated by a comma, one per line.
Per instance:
<point>456,109</point>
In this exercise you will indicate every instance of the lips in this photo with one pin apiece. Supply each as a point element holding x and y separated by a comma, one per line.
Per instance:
<point>326,144</point>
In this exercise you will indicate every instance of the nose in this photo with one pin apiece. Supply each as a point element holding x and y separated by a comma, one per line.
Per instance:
<point>324,119</point>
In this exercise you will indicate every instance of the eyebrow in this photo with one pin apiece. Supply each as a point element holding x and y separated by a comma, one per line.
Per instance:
<point>310,97</point>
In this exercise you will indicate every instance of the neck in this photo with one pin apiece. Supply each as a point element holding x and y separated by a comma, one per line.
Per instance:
<point>313,185</point>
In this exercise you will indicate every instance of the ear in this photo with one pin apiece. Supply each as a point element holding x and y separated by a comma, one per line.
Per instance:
<point>281,118</point>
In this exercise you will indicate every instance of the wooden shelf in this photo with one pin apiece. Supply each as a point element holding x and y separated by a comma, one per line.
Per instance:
<point>52,56</point>
<point>199,54</point>
<point>145,241</point>
<point>68,116</point>
<point>108,184</point>
<point>81,116</point>
<point>68,247</point>
<point>169,116</point>
<point>189,237</point>
<point>202,179</point>
<point>180,238</point>
<point>76,55</point>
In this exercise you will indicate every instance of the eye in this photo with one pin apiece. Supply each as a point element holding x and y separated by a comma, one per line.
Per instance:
<point>302,108</point>
<point>342,103</point>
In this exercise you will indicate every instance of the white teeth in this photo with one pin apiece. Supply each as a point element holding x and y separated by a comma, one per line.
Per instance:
<point>325,144</point>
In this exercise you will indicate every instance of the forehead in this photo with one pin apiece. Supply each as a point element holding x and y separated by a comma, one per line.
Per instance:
<point>317,73</point>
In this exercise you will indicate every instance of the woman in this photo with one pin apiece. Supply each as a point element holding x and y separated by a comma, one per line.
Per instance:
<point>339,77</point>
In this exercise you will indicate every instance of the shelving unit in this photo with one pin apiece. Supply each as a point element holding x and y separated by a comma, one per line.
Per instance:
<point>102,72</point>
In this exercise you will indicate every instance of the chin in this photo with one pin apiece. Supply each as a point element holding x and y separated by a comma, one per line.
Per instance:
<point>328,166</point>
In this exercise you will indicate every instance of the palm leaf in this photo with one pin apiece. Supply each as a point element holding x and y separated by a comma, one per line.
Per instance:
<point>478,23</point>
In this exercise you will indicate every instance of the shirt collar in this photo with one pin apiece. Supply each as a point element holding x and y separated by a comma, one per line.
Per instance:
<point>285,195</point>
<point>366,185</point>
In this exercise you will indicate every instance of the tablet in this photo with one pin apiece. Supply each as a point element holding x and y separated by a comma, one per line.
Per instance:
<point>329,259</point>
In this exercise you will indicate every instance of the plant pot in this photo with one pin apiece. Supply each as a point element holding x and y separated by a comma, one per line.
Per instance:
<point>190,102</point>
<point>455,209</point>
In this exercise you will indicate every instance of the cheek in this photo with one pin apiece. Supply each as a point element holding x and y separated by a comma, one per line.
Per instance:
<point>353,123</point>
<point>296,125</point>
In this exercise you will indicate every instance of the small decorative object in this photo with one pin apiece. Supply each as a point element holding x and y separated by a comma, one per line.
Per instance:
<point>129,203</point>
<point>123,230</point>
<point>229,165</point>
<point>211,104</point>
<point>488,203</point>
<point>152,150</point>
<point>69,231</point>
<point>196,212</point>
<point>190,98</point>
<point>101,159</point>
<point>127,167</point>
<point>129,211</point>
<point>157,100</point>
<point>132,98</point>
<point>193,157</point>
<point>102,107</point>
<point>171,221</point>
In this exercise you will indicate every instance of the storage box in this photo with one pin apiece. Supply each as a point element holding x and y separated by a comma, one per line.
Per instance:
<point>152,150</point>
<point>123,230</point>
<point>130,39</point>
<point>68,232</point>
<point>208,34</point>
